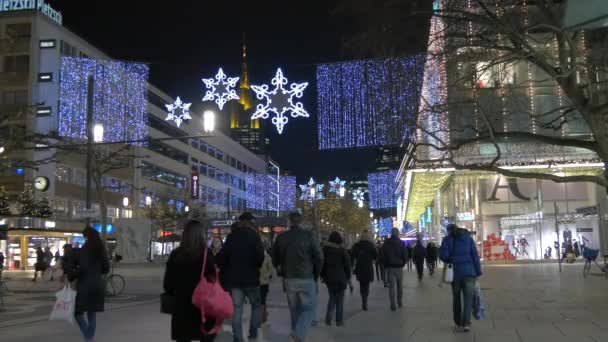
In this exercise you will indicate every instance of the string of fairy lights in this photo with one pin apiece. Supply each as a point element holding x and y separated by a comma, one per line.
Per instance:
<point>119,98</point>
<point>258,197</point>
<point>369,102</point>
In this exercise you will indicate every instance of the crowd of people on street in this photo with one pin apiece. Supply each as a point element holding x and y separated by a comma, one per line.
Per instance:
<point>244,264</point>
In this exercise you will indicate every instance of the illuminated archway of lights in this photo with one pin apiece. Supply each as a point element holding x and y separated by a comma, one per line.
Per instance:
<point>220,89</point>
<point>178,105</point>
<point>311,191</point>
<point>279,101</point>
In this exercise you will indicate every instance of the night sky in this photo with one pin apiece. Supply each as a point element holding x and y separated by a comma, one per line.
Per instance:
<point>184,41</point>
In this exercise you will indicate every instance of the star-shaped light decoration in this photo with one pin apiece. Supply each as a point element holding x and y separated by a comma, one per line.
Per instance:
<point>337,187</point>
<point>219,89</point>
<point>179,117</point>
<point>358,196</point>
<point>279,101</point>
<point>311,191</point>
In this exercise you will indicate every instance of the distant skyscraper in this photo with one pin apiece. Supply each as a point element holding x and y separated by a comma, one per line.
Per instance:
<point>245,131</point>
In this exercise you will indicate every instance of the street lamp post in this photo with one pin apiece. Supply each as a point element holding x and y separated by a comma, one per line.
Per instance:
<point>90,140</point>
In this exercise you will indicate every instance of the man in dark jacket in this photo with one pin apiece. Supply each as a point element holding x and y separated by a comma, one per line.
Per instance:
<point>419,256</point>
<point>394,255</point>
<point>240,259</point>
<point>298,258</point>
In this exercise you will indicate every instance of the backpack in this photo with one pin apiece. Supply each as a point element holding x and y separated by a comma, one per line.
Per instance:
<point>212,300</point>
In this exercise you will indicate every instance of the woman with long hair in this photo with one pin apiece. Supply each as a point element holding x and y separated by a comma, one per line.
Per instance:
<point>89,265</point>
<point>364,254</point>
<point>182,275</point>
<point>336,275</point>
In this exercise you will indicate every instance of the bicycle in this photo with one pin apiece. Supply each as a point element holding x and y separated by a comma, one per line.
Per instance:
<point>115,283</point>
<point>590,255</point>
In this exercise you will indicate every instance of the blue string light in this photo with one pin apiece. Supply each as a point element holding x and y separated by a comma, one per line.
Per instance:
<point>119,98</point>
<point>259,195</point>
<point>385,226</point>
<point>368,103</point>
<point>382,187</point>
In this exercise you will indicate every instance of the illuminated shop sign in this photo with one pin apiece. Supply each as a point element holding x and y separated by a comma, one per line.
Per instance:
<point>25,5</point>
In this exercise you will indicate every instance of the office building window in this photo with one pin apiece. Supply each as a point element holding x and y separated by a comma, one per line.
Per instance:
<point>66,49</point>
<point>22,30</point>
<point>156,100</point>
<point>194,143</point>
<point>15,97</point>
<point>19,63</point>
<point>168,151</point>
<point>161,175</point>
<point>194,165</point>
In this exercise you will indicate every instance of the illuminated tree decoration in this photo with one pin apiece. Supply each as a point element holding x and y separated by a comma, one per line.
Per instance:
<point>382,187</point>
<point>311,191</point>
<point>183,111</point>
<point>119,98</point>
<point>337,186</point>
<point>219,89</point>
<point>279,101</point>
<point>368,103</point>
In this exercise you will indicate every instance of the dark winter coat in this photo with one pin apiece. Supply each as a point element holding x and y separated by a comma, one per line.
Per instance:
<point>297,254</point>
<point>364,254</point>
<point>336,267</point>
<point>40,265</point>
<point>394,253</point>
<point>89,270</point>
<point>241,258</point>
<point>431,253</point>
<point>182,275</point>
<point>419,252</point>
<point>459,249</point>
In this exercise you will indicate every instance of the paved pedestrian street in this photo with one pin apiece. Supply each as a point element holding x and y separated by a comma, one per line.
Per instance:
<point>524,302</point>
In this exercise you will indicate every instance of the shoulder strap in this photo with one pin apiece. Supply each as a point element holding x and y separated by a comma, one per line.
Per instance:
<point>204,263</point>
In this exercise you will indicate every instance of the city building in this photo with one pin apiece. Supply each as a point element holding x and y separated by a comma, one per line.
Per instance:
<point>179,164</point>
<point>247,132</point>
<point>510,218</point>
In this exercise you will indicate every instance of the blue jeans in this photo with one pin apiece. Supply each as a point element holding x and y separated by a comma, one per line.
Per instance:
<point>87,326</point>
<point>395,281</point>
<point>238,296</point>
<point>463,306</point>
<point>302,298</point>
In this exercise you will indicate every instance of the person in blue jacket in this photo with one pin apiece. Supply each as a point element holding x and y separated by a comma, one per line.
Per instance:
<point>458,248</point>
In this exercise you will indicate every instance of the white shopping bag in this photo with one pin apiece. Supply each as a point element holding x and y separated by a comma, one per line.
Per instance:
<point>64,305</point>
<point>448,273</point>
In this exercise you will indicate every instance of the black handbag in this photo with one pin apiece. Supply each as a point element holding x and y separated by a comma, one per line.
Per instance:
<point>167,303</point>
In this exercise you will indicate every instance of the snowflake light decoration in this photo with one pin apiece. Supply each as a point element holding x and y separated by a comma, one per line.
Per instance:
<point>279,101</point>
<point>178,117</point>
<point>337,187</point>
<point>311,191</point>
<point>358,196</point>
<point>219,89</point>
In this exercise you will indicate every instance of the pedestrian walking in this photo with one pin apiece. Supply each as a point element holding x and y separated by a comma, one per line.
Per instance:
<point>394,256</point>
<point>419,254</point>
<point>182,275</point>
<point>364,255</point>
<point>66,261</point>
<point>1,264</point>
<point>241,258</point>
<point>40,265</point>
<point>265,277</point>
<point>431,257</point>
<point>410,256</point>
<point>87,268</point>
<point>216,245</point>
<point>297,256</point>
<point>379,266</point>
<point>336,275</point>
<point>458,249</point>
